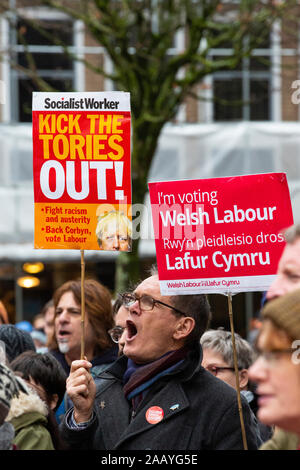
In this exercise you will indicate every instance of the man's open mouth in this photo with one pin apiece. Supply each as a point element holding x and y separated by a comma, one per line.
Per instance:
<point>131,330</point>
<point>63,335</point>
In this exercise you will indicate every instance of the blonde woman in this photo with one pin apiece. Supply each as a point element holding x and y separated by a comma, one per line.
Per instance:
<point>277,369</point>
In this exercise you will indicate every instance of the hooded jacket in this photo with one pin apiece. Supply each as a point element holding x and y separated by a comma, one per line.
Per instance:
<point>195,411</point>
<point>28,415</point>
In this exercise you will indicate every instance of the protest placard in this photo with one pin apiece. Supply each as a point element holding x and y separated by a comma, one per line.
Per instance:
<point>81,166</point>
<point>221,234</point>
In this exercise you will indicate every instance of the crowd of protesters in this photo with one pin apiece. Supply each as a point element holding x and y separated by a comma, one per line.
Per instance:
<point>154,375</point>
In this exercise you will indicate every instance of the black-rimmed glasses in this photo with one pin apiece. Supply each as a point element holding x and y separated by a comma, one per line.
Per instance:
<point>146,302</point>
<point>115,333</point>
<point>215,369</point>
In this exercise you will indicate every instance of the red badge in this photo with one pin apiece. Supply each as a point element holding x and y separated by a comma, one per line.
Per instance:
<point>154,414</point>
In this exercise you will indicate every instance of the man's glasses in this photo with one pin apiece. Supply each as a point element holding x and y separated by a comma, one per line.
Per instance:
<point>115,333</point>
<point>146,302</point>
<point>215,369</point>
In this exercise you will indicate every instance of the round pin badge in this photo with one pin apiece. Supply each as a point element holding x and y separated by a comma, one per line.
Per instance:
<point>154,414</point>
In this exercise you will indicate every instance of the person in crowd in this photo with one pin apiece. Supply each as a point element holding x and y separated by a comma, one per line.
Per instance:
<point>288,271</point>
<point>28,414</point>
<point>218,359</point>
<point>287,279</point>
<point>40,341</point>
<point>49,314</point>
<point>38,332</point>
<point>157,394</point>
<point>254,327</point>
<point>38,322</point>
<point>16,341</point>
<point>46,376</point>
<point>44,373</point>
<point>255,322</point>
<point>277,370</point>
<point>3,314</point>
<point>66,343</point>
<point>218,356</point>
<point>114,231</point>
<point>117,333</point>
<point>23,415</point>
<point>8,389</point>
<point>43,327</point>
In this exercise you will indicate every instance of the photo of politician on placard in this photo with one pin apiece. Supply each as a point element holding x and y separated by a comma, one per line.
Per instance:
<point>114,231</point>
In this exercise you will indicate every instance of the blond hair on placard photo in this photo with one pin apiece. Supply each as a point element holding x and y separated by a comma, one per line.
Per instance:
<point>114,231</point>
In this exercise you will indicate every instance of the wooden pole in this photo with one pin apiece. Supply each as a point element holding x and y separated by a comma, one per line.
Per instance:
<point>236,369</point>
<point>82,304</point>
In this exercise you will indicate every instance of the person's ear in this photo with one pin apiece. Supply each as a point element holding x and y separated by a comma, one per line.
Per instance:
<point>244,379</point>
<point>184,327</point>
<point>53,401</point>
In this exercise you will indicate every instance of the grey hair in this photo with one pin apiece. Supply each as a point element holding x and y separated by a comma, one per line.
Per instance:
<point>195,306</point>
<point>220,341</point>
<point>153,271</point>
<point>292,233</point>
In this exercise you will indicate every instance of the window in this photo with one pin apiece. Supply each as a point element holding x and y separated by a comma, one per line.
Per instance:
<point>32,44</point>
<point>245,92</point>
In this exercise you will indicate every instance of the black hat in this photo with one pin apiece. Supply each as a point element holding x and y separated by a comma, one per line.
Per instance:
<point>16,341</point>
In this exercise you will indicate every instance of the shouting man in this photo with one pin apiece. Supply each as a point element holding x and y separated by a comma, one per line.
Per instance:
<point>156,395</point>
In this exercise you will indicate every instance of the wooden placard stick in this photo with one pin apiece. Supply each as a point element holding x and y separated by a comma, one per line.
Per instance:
<point>236,369</point>
<point>82,304</point>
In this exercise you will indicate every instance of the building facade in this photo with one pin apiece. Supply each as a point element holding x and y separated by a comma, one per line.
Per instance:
<point>257,103</point>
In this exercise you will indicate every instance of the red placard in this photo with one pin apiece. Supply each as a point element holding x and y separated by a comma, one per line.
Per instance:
<point>81,166</point>
<point>220,234</point>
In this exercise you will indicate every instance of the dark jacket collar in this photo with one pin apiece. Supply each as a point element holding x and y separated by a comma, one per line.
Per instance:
<point>106,357</point>
<point>110,355</point>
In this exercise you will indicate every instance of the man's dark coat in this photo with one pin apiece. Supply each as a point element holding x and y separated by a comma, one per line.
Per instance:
<point>199,412</point>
